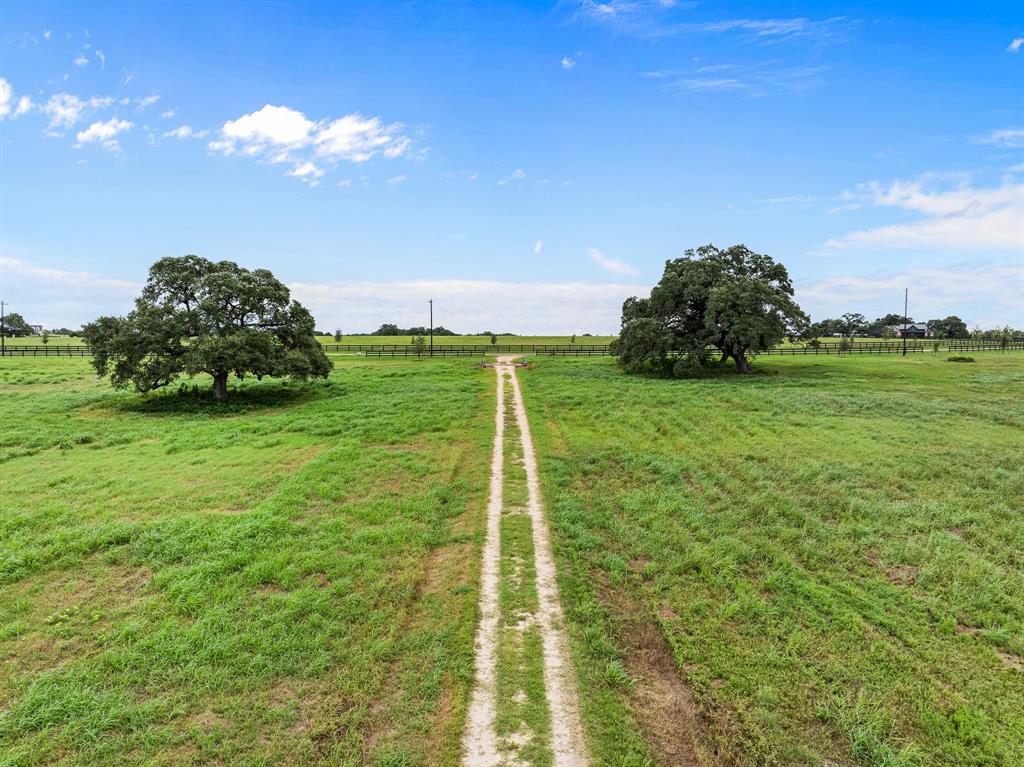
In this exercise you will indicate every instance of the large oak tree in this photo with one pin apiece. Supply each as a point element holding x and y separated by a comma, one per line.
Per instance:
<point>733,300</point>
<point>199,316</point>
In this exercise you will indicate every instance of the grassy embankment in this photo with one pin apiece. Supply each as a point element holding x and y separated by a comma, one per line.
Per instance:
<point>830,556</point>
<point>286,578</point>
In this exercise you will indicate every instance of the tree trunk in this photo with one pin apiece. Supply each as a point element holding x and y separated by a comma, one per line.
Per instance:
<point>220,386</point>
<point>742,365</point>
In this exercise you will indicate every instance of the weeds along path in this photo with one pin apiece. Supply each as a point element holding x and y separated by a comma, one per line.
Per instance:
<point>524,708</point>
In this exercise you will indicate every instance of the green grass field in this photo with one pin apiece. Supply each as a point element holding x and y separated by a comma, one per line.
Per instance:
<point>288,578</point>
<point>818,565</point>
<point>830,554</point>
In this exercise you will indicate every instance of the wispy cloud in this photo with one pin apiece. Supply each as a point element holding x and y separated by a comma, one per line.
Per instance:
<point>1012,138</point>
<point>933,291</point>
<point>953,214</point>
<point>6,97</point>
<point>568,63</point>
<point>611,264</point>
<point>538,247</point>
<point>186,131</point>
<point>307,172</point>
<point>791,199</point>
<point>61,277</point>
<point>1015,45</point>
<point>517,175</point>
<point>654,20</point>
<point>397,179</point>
<point>755,79</point>
<point>65,109</point>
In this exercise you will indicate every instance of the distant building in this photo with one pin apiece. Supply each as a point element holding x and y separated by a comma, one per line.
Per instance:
<point>37,330</point>
<point>913,330</point>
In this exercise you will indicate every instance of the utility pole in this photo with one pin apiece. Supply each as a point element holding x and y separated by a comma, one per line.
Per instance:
<point>906,298</point>
<point>3,330</point>
<point>431,302</point>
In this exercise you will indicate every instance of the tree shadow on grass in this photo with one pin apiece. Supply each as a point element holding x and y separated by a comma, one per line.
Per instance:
<point>246,397</point>
<point>725,373</point>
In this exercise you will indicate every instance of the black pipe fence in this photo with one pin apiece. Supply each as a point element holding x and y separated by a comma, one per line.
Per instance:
<point>828,348</point>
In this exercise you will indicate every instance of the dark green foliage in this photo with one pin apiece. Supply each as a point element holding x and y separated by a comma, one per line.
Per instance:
<point>197,316</point>
<point>14,326</point>
<point>959,358</point>
<point>733,300</point>
<point>951,327</point>
<point>389,329</point>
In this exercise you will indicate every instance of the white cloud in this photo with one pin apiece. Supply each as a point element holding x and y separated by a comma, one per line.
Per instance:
<point>568,63</point>
<point>517,175</point>
<point>934,292</point>
<point>146,101</point>
<point>102,58</point>
<point>1015,45</point>
<point>81,61</point>
<point>1012,138</point>
<point>24,106</point>
<point>345,182</point>
<point>186,131</point>
<point>168,114</point>
<point>270,125</point>
<point>279,134</point>
<point>46,34</point>
<point>397,179</point>
<point>64,109</point>
<point>104,133</point>
<point>957,216</point>
<point>611,264</point>
<point>6,96</point>
<point>61,277</point>
<point>307,173</point>
<point>357,139</point>
<point>538,247</point>
<point>469,305</point>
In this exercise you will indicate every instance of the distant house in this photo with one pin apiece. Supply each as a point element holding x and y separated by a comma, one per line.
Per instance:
<point>37,330</point>
<point>913,330</point>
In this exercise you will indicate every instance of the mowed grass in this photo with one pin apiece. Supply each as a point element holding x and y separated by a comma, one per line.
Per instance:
<point>833,551</point>
<point>285,579</point>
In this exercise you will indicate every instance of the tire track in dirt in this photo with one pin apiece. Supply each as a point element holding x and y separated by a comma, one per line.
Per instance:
<point>480,744</point>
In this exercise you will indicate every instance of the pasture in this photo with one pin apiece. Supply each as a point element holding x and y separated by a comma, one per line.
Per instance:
<point>820,564</point>
<point>285,578</point>
<point>829,554</point>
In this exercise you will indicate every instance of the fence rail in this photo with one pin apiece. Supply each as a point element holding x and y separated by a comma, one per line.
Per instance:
<point>592,350</point>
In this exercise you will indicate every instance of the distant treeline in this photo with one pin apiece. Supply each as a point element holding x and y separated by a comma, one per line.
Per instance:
<point>852,324</point>
<point>390,329</point>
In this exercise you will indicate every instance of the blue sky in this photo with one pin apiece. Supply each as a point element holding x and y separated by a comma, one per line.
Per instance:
<point>528,166</point>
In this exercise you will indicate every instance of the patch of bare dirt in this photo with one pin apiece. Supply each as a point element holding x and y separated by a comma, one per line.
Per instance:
<point>661,699</point>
